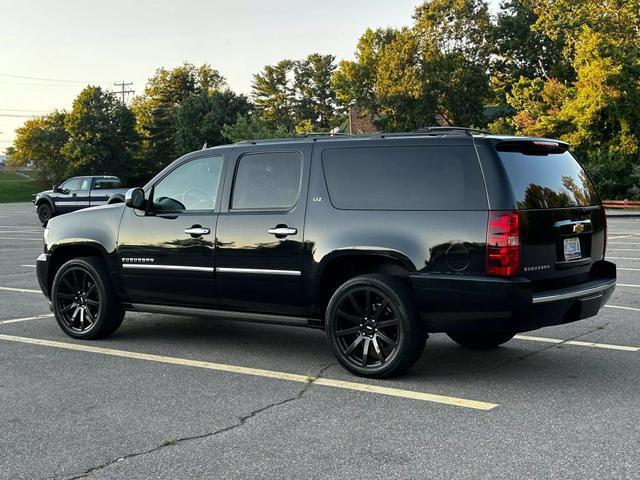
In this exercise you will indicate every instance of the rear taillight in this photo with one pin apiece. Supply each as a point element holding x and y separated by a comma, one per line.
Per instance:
<point>503,243</point>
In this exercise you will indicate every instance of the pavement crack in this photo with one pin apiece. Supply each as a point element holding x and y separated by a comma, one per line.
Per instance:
<point>240,423</point>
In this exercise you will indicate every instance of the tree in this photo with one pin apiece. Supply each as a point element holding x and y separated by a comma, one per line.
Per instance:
<point>355,81</point>
<point>404,102</point>
<point>41,140</point>
<point>252,127</point>
<point>454,42</point>
<point>156,110</point>
<point>102,136</point>
<point>200,118</point>
<point>521,51</point>
<point>314,95</point>
<point>272,93</point>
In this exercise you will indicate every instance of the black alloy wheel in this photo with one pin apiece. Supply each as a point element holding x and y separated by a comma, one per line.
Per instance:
<point>372,326</point>
<point>78,299</point>
<point>44,213</point>
<point>84,303</point>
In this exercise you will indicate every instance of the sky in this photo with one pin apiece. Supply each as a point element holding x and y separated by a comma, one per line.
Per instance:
<point>71,43</point>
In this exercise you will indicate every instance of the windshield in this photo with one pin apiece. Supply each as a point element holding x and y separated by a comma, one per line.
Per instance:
<point>551,180</point>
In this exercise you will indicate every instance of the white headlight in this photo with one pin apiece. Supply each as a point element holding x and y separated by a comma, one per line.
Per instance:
<point>45,235</point>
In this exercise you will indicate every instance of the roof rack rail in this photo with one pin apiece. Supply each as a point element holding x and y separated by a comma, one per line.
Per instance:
<point>311,135</point>
<point>468,131</point>
<point>323,134</point>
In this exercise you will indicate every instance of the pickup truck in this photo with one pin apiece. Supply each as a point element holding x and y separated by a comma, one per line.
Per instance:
<point>77,193</point>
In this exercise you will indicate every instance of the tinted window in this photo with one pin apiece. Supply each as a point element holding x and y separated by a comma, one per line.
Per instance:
<point>85,184</point>
<point>548,181</point>
<point>191,186</point>
<point>73,184</point>
<point>104,183</point>
<point>404,178</point>
<point>267,181</point>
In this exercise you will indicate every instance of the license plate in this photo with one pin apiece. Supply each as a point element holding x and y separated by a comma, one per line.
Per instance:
<point>572,248</point>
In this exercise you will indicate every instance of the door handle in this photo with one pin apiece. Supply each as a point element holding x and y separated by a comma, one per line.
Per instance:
<point>74,194</point>
<point>282,231</point>
<point>197,231</point>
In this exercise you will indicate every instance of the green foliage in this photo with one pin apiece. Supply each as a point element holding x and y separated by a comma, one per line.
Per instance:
<point>200,119</point>
<point>273,94</point>
<point>102,136</point>
<point>41,140</point>
<point>314,96</point>
<point>252,127</point>
<point>156,111</point>
<point>354,81</point>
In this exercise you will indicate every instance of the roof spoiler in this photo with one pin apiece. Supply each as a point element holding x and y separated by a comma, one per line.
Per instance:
<point>533,146</point>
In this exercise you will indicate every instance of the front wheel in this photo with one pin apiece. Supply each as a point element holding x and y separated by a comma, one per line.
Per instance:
<point>83,300</point>
<point>372,326</point>
<point>481,341</point>
<point>45,213</point>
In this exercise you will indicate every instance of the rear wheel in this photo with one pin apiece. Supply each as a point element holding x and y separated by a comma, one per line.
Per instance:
<point>44,212</point>
<point>372,326</point>
<point>481,341</point>
<point>84,303</point>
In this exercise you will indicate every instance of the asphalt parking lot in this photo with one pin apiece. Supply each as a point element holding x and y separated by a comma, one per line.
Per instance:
<point>170,397</point>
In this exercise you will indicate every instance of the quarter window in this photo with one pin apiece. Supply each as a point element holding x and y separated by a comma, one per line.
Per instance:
<point>404,178</point>
<point>268,181</point>
<point>190,187</point>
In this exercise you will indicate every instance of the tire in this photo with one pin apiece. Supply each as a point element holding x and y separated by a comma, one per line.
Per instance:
<point>372,326</point>
<point>481,341</point>
<point>45,212</point>
<point>83,300</point>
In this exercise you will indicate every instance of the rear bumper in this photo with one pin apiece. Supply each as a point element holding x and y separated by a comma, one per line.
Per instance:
<point>42,272</point>
<point>484,304</point>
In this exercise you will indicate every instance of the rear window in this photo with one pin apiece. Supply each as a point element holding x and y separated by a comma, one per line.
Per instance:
<point>553,180</point>
<point>404,178</point>
<point>104,183</point>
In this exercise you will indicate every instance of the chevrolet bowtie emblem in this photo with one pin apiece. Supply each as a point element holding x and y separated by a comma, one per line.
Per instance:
<point>578,228</point>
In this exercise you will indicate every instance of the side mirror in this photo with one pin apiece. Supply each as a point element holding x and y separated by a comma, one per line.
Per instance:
<point>55,189</point>
<point>134,198</point>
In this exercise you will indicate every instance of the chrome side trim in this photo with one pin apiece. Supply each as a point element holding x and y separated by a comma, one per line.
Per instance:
<point>222,314</point>
<point>574,294</point>
<point>183,268</point>
<point>259,271</point>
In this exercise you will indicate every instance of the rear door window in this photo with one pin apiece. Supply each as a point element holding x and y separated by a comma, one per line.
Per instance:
<point>267,181</point>
<point>553,180</point>
<point>404,178</point>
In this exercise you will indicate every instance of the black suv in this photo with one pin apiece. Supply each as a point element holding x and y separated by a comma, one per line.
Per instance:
<point>377,239</point>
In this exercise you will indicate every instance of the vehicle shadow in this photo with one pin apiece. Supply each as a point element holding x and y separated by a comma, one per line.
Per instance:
<point>305,351</point>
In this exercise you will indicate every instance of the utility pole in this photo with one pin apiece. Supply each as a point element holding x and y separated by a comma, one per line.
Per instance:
<point>123,90</point>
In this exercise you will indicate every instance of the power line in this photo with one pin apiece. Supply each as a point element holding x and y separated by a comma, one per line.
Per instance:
<point>26,77</point>
<point>123,91</point>
<point>13,115</point>
<point>21,110</point>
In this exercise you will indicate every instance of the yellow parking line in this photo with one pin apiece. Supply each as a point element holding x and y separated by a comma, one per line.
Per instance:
<point>39,239</point>
<point>24,319</point>
<point>292,377</point>
<point>20,290</point>
<point>623,308</point>
<point>624,348</point>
